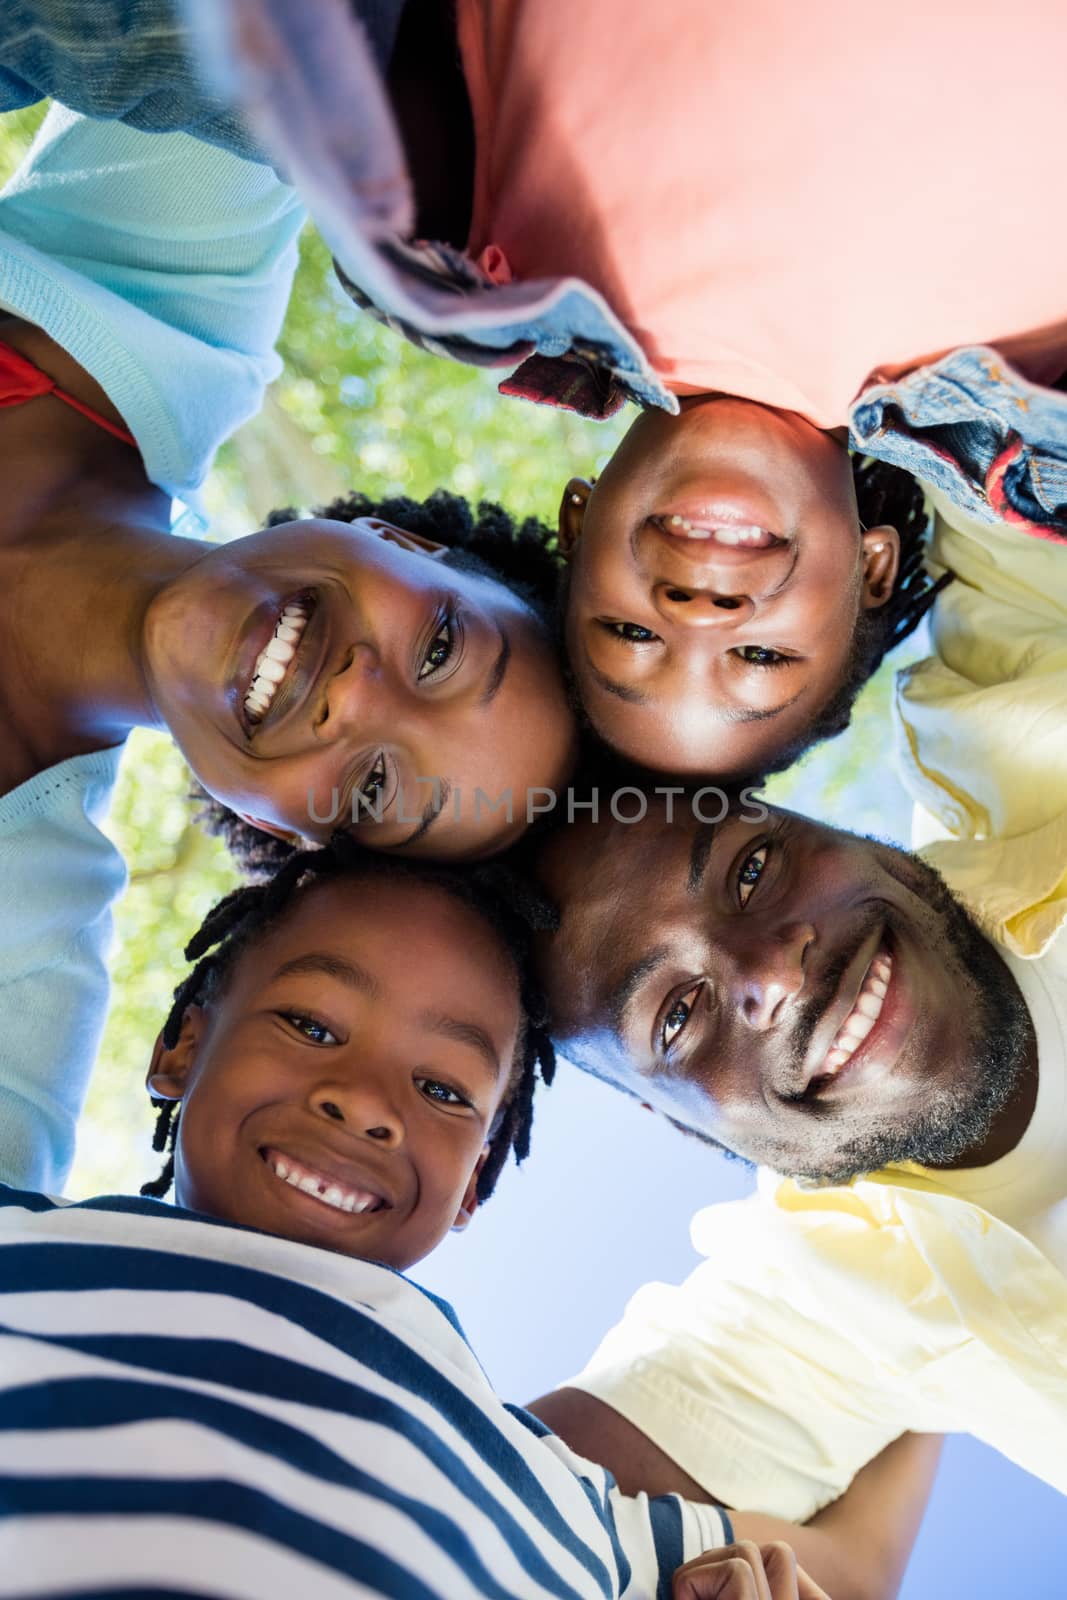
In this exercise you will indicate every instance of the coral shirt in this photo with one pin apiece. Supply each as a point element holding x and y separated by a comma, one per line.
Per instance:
<point>777,198</point>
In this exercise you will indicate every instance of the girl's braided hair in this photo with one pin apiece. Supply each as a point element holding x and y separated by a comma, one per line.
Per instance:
<point>507,902</point>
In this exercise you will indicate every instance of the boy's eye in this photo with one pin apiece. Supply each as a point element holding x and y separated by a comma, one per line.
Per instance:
<point>632,632</point>
<point>316,1032</point>
<point>758,656</point>
<point>440,1092</point>
<point>441,648</point>
<point>677,1017</point>
<point>751,872</point>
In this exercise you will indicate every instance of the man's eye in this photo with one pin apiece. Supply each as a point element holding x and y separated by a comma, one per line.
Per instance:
<point>444,1096</point>
<point>757,656</point>
<point>441,648</point>
<point>675,1021</point>
<point>317,1032</point>
<point>751,872</point>
<point>632,632</point>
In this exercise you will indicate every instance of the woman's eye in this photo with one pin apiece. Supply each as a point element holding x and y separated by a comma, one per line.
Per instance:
<point>632,632</point>
<point>433,1090</point>
<point>677,1017</point>
<point>751,872</point>
<point>370,790</point>
<point>441,648</point>
<point>757,656</point>
<point>317,1032</point>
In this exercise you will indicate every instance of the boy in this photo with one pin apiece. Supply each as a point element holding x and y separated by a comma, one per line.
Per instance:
<point>242,1393</point>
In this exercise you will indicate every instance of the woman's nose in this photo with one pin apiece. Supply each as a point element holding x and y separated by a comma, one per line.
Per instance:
<point>352,692</point>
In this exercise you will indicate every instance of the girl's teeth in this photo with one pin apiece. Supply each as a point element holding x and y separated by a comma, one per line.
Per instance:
<point>274,660</point>
<point>280,649</point>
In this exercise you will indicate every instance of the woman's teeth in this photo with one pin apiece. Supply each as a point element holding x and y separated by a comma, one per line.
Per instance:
<point>863,1016</point>
<point>729,533</point>
<point>273,662</point>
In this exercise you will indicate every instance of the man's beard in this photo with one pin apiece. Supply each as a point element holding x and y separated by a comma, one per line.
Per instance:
<point>954,1117</point>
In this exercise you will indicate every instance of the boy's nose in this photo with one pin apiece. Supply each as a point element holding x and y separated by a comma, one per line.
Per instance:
<point>363,1110</point>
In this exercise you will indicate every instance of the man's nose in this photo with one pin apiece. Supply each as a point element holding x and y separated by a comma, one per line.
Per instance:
<point>769,973</point>
<point>363,1106</point>
<point>702,605</point>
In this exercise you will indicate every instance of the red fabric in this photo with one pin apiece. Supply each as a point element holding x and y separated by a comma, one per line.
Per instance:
<point>22,381</point>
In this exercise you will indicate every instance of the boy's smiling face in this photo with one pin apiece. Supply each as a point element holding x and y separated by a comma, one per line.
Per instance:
<point>717,573</point>
<point>362,1046</point>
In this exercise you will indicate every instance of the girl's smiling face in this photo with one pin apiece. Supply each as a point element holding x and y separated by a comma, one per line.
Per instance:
<point>717,573</point>
<point>337,1093</point>
<point>413,686</point>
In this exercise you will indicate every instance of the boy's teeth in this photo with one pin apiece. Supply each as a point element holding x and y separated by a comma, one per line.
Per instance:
<point>273,662</point>
<point>331,1194</point>
<point>728,533</point>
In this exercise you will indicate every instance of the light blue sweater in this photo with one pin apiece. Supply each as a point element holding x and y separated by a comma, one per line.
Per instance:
<point>164,266</point>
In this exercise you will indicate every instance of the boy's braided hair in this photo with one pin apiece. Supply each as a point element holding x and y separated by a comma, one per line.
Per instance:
<point>511,906</point>
<point>520,555</point>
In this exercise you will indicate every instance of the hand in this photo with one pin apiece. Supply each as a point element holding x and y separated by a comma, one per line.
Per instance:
<point>746,1571</point>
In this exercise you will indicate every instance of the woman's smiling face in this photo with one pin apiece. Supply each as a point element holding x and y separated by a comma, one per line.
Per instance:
<point>411,686</point>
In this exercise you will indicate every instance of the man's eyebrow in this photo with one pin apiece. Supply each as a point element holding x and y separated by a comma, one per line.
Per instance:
<point>320,963</point>
<point>621,691</point>
<point>629,984</point>
<point>468,1033</point>
<point>699,857</point>
<point>431,811</point>
<point>760,716</point>
<point>498,671</point>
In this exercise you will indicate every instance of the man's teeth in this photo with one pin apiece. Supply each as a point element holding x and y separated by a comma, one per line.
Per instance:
<point>731,533</point>
<point>863,1016</point>
<point>273,662</point>
<point>332,1194</point>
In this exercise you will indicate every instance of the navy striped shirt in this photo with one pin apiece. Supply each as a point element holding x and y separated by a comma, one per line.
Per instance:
<point>193,1408</point>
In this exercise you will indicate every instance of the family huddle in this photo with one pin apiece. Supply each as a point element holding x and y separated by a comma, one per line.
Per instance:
<point>495,789</point>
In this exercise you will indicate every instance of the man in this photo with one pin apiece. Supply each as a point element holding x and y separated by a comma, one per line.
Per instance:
<point>821,1004</point>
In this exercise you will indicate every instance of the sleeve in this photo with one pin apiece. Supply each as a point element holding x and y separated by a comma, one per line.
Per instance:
<point>59,877</point>
<point>747,1376</point>
<point>163,265</point>
<point>980,728</point>
<point>651,1538</point>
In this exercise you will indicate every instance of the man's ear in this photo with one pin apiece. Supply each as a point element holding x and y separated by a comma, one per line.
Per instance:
<point>572,515</point>
<point>469,1203</point>
<point>169,1069</point>
<point>881,562</point>
<point>400,536</point>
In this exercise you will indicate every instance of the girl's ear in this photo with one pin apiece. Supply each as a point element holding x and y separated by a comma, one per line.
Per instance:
<point>572,514</point>
<point>169,1069</point>
<point>881,563</point>
<point>287,835</point>
<point>469,1203</point>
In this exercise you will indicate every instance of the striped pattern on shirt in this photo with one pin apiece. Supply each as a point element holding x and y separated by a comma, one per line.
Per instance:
<point>192,1408</point>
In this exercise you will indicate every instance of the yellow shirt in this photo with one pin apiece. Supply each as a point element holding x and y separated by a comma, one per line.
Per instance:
<point>826,1321</point>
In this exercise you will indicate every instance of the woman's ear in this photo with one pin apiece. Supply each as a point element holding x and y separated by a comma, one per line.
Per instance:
<point>572,514</point>
<point>881,563</point>
<point>469,1203</point>
<point>287,835</point>
<point>169,1068</point>
<point>400,536</point>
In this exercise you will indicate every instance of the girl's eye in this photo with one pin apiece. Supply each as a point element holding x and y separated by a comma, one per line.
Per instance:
<point>757,656</point>
<point>444,1096</point>
<point>677,1017</point>
<point>317,1032</point>
<point>632,632</point>
<point>751,872</point>
<point>441,648</point>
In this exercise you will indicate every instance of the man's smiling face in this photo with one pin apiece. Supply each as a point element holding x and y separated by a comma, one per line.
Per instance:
<point>815,1001</point>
